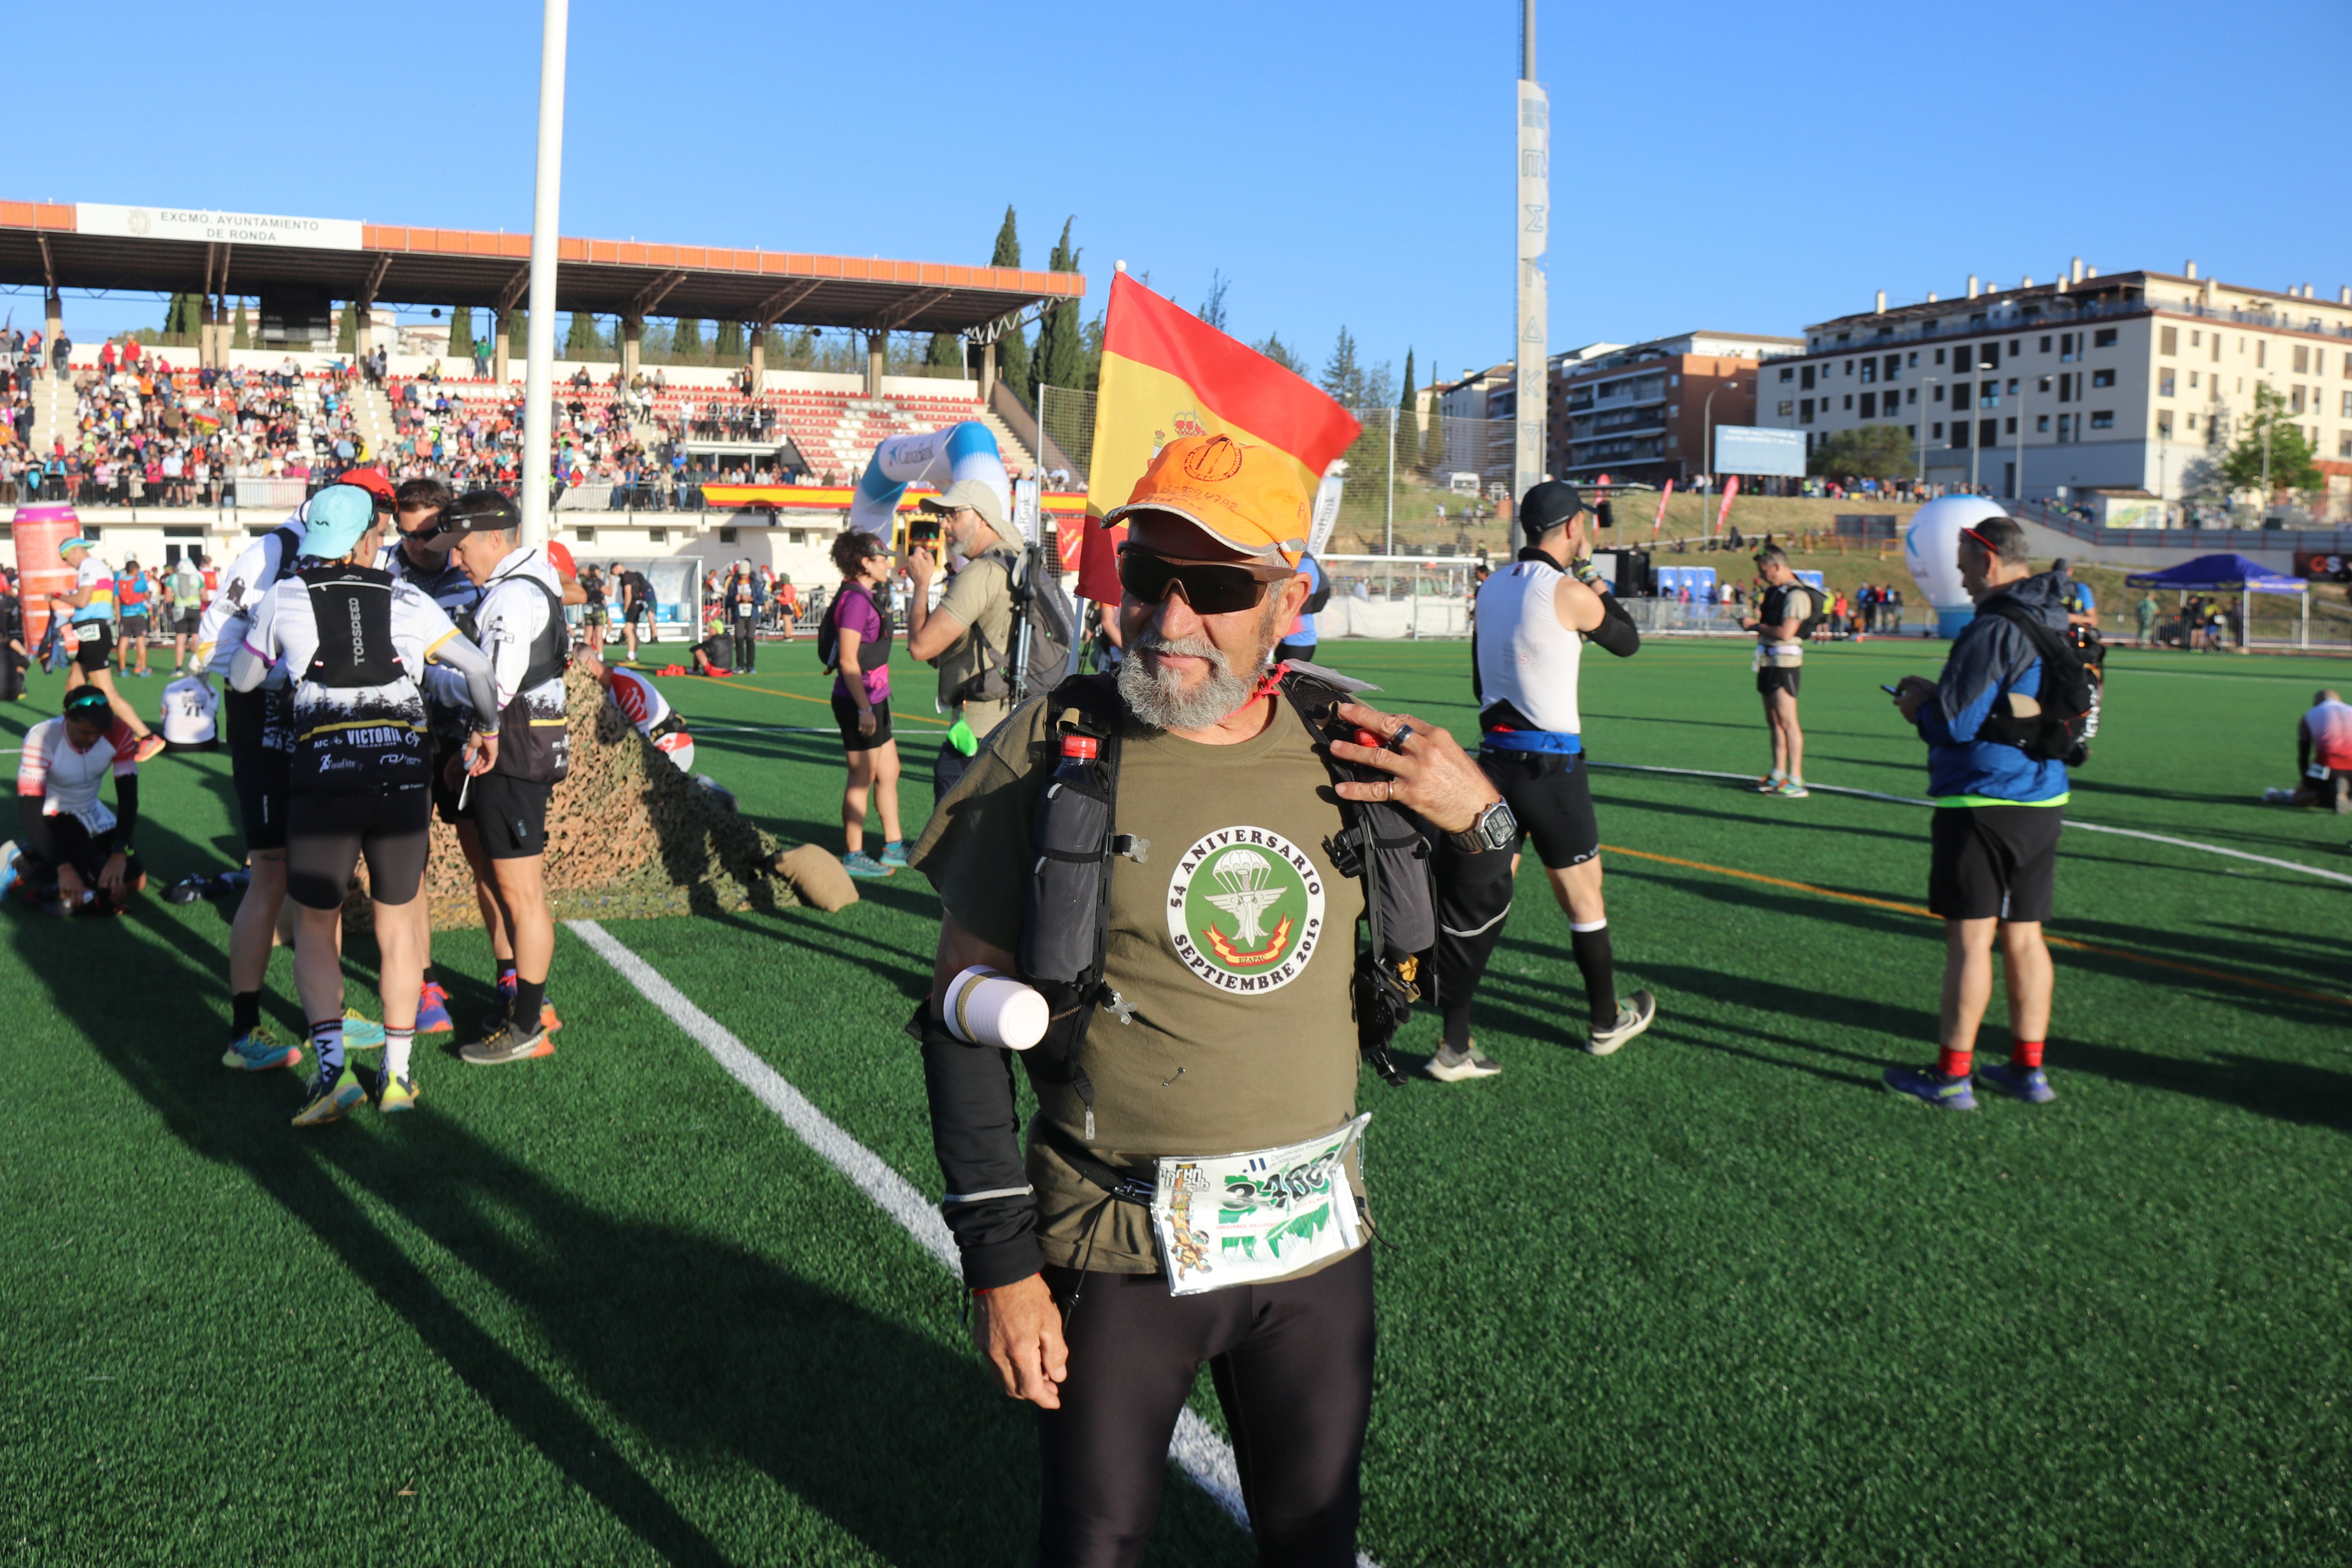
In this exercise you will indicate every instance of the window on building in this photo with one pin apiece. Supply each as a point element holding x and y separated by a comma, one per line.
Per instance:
<point>1869,409</point>
<point>1805,411</point>
<point>1786,407</point>
<point>1911,395</point>
<point>1910,432</point>
<point>1849,401</point>
<point>2067,386</point>
<point>2167,341</point>
<point>2192,422</point>
<point>584,535</point>
<point>1805,378</point>
<point>2295,400</point>
<point>726,536</point>
<point>2347,360</point>
<point>2016,347</point>
<point>2301,358</point>
<point>2344,445</point>
<point>1894,365</point>
<point>2103,419</point>
<point>1988,432</point>
<point>2104,338</point>
<point>1940,356</point>
<point>1937,429</point>
<point>2042,423</point>
<point>2348,364</point>
<point>2346,410</point>
<point>2010,428</point>
<point>2102,378</point>
<point>2042,383</point>
<point>1788,373</point>
<point>2164,424</point>
<point>2262,353</point>
<point>1959,433</point>
<point>2045,343</point>
<point>1849,367</point>
<point>658,536</point>
<point>2065,428</point>
<point>1961,392</point>
<point>2216,347</point>
<point>1939,394</point>
<point>1869,371</point>
<point>2196,339</point>
<point>2164,383</point>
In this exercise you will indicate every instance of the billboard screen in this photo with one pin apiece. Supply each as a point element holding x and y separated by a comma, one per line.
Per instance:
<point>1753,449</point>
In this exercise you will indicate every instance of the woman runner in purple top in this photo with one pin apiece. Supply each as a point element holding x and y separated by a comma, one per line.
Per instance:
<point>858,650</point>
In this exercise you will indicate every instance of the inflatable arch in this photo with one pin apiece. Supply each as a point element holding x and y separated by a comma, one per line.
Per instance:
<point>962,451</point>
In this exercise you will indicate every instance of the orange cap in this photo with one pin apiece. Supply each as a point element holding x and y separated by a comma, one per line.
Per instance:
<point>373,481</point>
<point>558,554</point>
<point>1245,498</point>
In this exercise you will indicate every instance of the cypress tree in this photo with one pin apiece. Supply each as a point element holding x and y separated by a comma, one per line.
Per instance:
<point>1013,348</point>
<point>1408,414</point>
<point>243,337</point>
<point>583,340</point>
<point>946,352</point>
<point>1061,355</point>
<point>461,331</point>
<point>686,341</point>
<point>347,331</point>
<point>728,347</point>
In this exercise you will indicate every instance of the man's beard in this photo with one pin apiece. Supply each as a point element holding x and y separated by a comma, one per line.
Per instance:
<point>1158,697</point>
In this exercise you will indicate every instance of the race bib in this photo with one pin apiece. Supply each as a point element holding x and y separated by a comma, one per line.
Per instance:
<point>1239,1219</point>
<point>2316,771</point>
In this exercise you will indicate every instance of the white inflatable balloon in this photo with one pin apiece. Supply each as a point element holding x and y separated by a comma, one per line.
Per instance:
<point>1931,548</point>
<point>962,451</point>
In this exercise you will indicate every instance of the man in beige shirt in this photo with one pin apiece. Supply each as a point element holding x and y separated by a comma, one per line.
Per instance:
<point>969,638</point>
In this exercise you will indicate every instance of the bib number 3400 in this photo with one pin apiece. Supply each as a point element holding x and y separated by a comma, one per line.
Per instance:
<point>1241,1219</point>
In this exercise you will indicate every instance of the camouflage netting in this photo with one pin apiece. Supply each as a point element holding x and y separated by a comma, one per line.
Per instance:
<point>627,835</point>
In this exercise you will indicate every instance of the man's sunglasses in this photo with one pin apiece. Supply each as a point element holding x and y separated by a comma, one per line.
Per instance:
<point>1211,588</point>
<point>435,529</point>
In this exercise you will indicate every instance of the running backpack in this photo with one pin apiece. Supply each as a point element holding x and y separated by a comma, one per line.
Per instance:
<point>1044,628</point>
<point>2069,699</point>
<point>828,632</point>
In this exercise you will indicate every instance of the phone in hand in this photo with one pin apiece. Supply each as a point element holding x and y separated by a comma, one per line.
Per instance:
<point>1888,689</point>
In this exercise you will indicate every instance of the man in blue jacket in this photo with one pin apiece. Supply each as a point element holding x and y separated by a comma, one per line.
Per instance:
<point>1993,850</point>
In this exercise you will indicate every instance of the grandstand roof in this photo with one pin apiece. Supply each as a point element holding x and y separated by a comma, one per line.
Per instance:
<point>59,246</point>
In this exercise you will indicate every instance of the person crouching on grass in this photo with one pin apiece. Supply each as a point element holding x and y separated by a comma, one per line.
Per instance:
<point>1993,845</point>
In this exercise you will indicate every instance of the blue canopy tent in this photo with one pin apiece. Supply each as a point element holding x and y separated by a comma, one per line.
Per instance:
<point>2226,570</point>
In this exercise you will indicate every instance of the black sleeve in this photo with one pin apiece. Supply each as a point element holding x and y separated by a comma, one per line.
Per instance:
<point>2302,746</point>
<point>33,830</point>
<point>1616,633</point>
<point>126,808</point>
<point>988,1204</point>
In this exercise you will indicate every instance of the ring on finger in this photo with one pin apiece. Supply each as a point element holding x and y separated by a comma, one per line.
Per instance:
<point>1397,741</point>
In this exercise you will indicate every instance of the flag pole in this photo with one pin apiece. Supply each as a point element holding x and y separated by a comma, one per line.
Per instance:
<point>539,357</point>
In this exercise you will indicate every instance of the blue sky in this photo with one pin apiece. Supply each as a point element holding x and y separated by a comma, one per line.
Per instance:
<point>1737,168</point>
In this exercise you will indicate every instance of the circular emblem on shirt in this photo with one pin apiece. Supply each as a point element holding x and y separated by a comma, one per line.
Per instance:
<point>1246,909</point>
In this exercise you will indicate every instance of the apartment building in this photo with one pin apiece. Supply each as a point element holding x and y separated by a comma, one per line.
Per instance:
<point>2090,383</point>
<point>1646,412</point>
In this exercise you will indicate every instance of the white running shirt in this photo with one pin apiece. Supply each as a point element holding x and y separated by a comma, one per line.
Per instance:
<point>189,706</point>
<point>1526,657</point>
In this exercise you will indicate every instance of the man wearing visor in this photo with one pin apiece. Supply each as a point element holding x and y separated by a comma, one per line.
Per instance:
<point>1218,1036</point>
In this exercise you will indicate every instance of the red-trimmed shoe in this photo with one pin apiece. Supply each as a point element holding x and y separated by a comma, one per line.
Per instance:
<point>433,1011</point>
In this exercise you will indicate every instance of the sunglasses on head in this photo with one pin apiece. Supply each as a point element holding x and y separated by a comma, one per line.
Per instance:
<point>1211,588</point>
<point>88,707</point>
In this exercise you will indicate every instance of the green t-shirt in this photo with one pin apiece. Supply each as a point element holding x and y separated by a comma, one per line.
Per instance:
<point>1234,940</point>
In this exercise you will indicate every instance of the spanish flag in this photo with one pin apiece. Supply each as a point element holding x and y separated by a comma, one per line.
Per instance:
<point>1167,374</point>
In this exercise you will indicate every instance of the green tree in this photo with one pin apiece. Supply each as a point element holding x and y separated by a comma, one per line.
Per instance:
<point>1212,309</point>
<point>347,331</point>
<point>1282,354</point>
<point>1013,348</point>
<point>1408,413</point>
<point>1343,372</point>
<point>727,348</point>
<point>243,337</point>
<point>1866,452</point>
<point>2269,444</point>
<point>1061,353</point>
<point>582,340</point>
<point>461,331</point>
<point>1092,348</point>
<point>518,333</point>
<point>946,353</point>
<point>686,341</point>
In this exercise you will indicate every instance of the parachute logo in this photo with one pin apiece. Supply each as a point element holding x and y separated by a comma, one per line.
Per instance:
<point>1246,909</point>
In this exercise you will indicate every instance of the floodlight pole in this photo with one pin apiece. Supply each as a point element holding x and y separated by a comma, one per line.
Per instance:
<point>1531,221</point>
<point>539,354</point>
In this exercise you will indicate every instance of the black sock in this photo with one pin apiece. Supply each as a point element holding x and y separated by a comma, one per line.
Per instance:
<point>1600,968</point>
<point>506,973</point>
<point>524,1014</point>
<point>244,1012</point>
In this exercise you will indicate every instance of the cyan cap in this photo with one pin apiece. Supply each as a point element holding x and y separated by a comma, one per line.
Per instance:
<point>337,516</point>
<point>77,541</point>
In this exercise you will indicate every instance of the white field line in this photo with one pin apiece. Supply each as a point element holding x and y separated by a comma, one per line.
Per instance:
<point>1197,1450</point>
<point>2072,823</point>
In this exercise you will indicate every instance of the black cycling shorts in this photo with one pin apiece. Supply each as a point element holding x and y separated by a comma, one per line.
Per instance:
<point>509,814</point>
<point>641,607</point>
<point>261,776</point>
<point>326,835</point>
<point>1987,862</point>
<point>1780,678</point>
<point>1551,795</point>
<point>134,627</point>
<point>1292,1363</point>
<point>448,777</point>
<point>186,622</point>
<point>96,648</point>
<point>844,713</point>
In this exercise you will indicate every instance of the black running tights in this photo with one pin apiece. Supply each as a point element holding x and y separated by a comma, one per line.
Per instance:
<point>1293,1368</point>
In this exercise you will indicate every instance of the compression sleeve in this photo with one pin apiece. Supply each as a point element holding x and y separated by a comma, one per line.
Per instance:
<point>2301,747</point>
<point>126,808</point>
<point>1616,633</point>
<point>473,665</point>
<point>988,1204</point>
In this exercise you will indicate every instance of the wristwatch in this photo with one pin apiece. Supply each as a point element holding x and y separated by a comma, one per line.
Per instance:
<point>1496,828</point>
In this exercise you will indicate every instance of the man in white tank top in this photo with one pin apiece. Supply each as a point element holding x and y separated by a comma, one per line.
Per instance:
<point>1533,619</point>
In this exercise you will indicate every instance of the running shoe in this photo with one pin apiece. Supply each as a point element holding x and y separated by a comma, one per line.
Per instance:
<point>7,866</point>
<point>331,1098</point>
<point>1928,1084</point>
<point>433,1011</point>
<point>1454,1063</point>
<point>361,1034</point>
<point>390,1092</point>
<point>894,853</point>
<point>858,863</point>
<point>2021,1083</point>
<point>497,1016</point>
<point>150,748</point>
<point>1792,791</point>
<point>505,1044</point>
<point>1767,784</point>
<point>1634,1014</point>
<point>254,1051</point>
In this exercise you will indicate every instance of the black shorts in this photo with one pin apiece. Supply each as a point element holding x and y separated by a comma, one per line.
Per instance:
<point>96,649</point>
<point>261,776</point>
<point>509,814</point>
<point>186,623</point>
<point>1780,678</point>
<point>134,627</point>
<point>1552,796</point>
<point>326,835</point>
<point>447,781</point>
<point>844,713</point>
<point>1988,862</point>
<point>641,607</point>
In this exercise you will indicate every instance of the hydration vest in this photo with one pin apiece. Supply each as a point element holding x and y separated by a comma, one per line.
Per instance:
<point>364,727</point>
<point>1065,931</point>
<point>534,747</point>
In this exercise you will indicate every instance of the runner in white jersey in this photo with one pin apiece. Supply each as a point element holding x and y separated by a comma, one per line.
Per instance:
<point>1534,618</point>
<point>355,643</point>
<point>189,705</point>
<point>77,856</point>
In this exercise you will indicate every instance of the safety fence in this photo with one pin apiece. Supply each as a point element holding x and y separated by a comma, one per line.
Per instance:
<point>1397,596</point>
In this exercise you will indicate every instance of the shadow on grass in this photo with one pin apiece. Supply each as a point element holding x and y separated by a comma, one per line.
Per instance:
<point>701,1347</point>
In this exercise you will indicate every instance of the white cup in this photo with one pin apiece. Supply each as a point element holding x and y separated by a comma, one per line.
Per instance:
<point>988,1007</point>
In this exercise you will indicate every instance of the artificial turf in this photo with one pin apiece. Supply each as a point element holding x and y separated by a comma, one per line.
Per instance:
<point>1718,1299</point>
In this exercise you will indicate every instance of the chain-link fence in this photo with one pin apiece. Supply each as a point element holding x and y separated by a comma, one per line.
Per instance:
<point>1393,596</point>
<point>1066,420</point>
<point>1422,485</point>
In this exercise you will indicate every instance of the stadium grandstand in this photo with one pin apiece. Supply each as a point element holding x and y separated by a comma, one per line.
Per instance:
<point>170,446</point>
